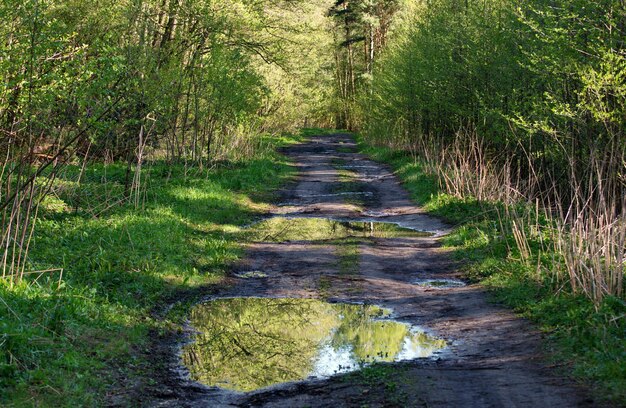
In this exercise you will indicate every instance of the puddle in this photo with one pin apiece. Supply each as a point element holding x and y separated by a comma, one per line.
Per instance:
<point>345,193</point>
<point>355,166</point>
<point>378,214</point>
<point>440,283</point>
<point>250,275</point>
<point>244,344</point>
<point>281,229</point>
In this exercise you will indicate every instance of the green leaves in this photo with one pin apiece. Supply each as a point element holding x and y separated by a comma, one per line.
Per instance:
<point>542,79</point>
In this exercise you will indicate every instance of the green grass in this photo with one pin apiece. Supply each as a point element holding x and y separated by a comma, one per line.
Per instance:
<point>70,345</point>
<point>590,343</point>
<point>387,377</point>
<point>347,251</point>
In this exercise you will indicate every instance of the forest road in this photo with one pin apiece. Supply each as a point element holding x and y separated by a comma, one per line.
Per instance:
<point>493,358</point>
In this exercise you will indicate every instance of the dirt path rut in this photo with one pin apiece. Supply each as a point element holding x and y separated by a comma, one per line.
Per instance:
<point>494,359</point>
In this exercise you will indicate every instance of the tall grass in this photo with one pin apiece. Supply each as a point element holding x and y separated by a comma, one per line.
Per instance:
<point>581,224</point>
<point>465,169</point>
<point>590,233</point>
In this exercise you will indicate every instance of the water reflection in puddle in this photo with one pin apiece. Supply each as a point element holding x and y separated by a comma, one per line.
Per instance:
<point>280,229</point>
<point>344,193</point>
<point>440,283</point>
<point>378,214</point>
<point>250,275</point>
<point>245,344</point>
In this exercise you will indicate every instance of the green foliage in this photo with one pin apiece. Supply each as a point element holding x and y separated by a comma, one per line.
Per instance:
<point>197,78</point>
<point>64,338</point>
<point>539,81</point>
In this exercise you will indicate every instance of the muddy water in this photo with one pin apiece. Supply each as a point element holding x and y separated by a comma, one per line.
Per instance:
<point>245,344</point>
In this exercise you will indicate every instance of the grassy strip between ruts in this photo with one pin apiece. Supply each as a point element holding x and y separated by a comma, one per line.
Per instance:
<point>67,342</point>
<point>591,343</point>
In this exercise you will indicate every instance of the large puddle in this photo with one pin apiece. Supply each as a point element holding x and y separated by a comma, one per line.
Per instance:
<point>280,229</point>
<point>244,344</point>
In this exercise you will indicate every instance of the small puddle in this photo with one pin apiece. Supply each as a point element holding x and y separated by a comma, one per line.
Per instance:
<point>378,214</point>
<point>344,193</point>
<point>440,283</point>
<point>355,166</point>
<point>244,344</point>
<point>281,229</point>
<point>250,275</point>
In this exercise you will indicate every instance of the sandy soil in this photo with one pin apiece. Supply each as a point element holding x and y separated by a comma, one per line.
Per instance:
<point>495,359</point>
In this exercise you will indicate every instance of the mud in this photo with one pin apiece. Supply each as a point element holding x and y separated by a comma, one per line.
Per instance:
<point>493,358</point>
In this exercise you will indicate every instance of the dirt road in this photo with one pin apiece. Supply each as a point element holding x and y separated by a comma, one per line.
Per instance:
<point>493,358</point>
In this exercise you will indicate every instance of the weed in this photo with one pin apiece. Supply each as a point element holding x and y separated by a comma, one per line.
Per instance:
<point>323,287</point>
<point>385,375</point>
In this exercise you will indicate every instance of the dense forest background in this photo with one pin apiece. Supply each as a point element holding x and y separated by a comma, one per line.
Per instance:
<point>518,102</point>
<point>103,103</point>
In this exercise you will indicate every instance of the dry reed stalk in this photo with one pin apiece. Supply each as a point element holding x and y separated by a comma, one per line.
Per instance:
<point>586,239</point>
<point>592,246</point>
<point>42,272</point>
<point>465,170</point>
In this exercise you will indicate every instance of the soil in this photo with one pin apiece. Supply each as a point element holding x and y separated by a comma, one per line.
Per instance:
<point>494,358</point>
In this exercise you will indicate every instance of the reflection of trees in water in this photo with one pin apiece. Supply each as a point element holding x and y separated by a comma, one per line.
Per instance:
<point>250,343</point>
<point>423,345</point>
<point>369,339</point>
<point>316,229</point>
<point>379,340</point>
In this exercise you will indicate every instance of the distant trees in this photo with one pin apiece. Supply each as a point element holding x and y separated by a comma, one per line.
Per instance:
<point>360,32</point>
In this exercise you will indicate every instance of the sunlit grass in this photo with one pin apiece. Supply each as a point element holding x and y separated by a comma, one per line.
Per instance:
<point>65,341</point>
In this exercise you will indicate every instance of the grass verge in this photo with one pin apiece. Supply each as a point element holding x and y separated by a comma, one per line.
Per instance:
<point>588,340</point>
<point>69,340</point>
